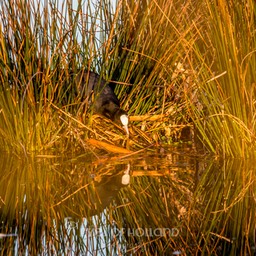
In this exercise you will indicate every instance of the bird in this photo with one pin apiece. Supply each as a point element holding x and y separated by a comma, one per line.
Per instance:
<point>100,95</point>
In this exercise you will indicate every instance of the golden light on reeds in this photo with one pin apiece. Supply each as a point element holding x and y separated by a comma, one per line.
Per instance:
<point>173,65</point>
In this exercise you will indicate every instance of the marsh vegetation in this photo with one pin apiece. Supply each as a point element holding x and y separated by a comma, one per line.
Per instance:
<point>178,67</point>
<point>173,65</point>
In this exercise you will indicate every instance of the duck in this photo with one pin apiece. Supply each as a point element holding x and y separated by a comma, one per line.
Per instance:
<point>101,96</point>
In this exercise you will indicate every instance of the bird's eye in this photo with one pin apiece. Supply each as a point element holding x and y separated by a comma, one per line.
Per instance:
<point>124,119</point>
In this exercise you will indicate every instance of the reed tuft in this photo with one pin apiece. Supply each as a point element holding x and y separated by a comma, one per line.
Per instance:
<point>172,63</point>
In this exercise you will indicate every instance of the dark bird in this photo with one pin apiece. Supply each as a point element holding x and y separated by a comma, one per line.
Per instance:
<point>103,99</point>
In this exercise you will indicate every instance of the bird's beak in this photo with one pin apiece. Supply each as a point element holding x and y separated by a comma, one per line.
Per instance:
<point>126,129</point>
<point>124,121</point>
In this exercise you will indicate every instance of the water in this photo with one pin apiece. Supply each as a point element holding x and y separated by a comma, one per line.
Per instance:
<point>165,201</point>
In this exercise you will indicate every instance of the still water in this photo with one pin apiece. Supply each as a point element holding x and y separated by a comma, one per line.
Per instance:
<point>165,201</point>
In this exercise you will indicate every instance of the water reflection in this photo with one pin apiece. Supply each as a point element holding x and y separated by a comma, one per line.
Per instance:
<point>161,201</point>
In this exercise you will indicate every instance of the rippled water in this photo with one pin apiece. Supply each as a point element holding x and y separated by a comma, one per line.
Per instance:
<point>165,201</point>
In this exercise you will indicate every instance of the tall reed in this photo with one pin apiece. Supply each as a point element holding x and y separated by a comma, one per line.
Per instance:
<point>160,55</point>
<point>39,46</point>
<point>135,46</point>
<point>226,79</point>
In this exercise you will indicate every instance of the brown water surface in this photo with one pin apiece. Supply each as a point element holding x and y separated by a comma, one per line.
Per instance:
<point>165,201</point>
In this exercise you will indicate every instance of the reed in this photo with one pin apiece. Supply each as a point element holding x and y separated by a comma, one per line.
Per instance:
<point>226,79</point>
<point>131,46</point>
<point>180,62</point>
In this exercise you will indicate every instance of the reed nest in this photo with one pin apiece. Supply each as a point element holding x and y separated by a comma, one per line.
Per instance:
<point>98,132</point>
